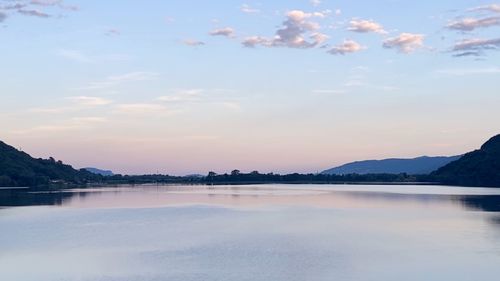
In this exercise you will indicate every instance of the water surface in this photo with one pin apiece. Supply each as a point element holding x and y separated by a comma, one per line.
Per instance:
<point>264,232</point>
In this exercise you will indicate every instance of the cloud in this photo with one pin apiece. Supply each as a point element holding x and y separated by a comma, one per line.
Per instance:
<point>112,32</point>
<point>330,92</point>
<point>51,3</point>
<point>296,28</point>
<point>33,13</point>
<point>230,105</point>
<point>116,80</point>
<point>315,3</point>
<point>15,6</point>
<point>469,71</point>
<point>134,76</point>
<point>140,108</point>
<point>489,8</point>
<point>78,103</point>
<point>81,57</point>
<point>252,41</point>
<point>72,124</point>
<point>405,42</point>
<point>46,2</point>
<point>90,101</point>
<point>249,10</point>
<point>2,17</point>
<point>31,8</point>
<point>469,24</point>
<point>226,32</point>
<point>75,56</point>
<point>87,120</point>
<point>365,26</point>
<point>193,43</point>
<point>185,99</point>
<point>475,47</point>
<point>348,46</point>
<point>190,95</point>
<point>55,110</point>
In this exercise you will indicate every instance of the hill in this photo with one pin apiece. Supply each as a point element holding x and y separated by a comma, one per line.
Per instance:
<point>416,166</point>
<point>18,168</point>
<point>477,168</point>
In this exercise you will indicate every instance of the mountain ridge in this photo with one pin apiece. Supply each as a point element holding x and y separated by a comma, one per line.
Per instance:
<point>17,168</point>
<point>412,166</point>
<point>480,167</point>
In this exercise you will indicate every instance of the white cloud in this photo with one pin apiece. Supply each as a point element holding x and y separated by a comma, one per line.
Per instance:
<point>193,43</point>
<point>245,8</point>
<point>226,32</point>
<point>315,3</point>
<point>190,95</point>
<point>348,46</point>
<point>140,108</point>
<point>365,26</point>
<point>46,2</point>
<point>78,103</point>
<point>55,110</point>
<point>14,6</point>
<point>87,120</point>
<point>72,124</point>
<point>117,80</point>
<point>469,24</point>
<point>405,42</point>
<point>33,13</point>
<point>475,47</point>
<point>230,105</point>
<point>81,57</point>
<point>58,3</point>
<point>329,92</point>
<point>112,32</point>
<point>32,8</point>
<point>90,101</point>
<point>252,41</point>
<point>134,76</point>
<point>75,56</point>
<point>185,99</point>
<point>469,71</point>
<point>489,8</point>
<point>296,28</point>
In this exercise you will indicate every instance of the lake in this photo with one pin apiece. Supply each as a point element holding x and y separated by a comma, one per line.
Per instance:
<point>252,232</point>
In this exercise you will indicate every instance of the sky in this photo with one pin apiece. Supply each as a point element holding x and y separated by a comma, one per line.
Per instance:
<point>182,87</point>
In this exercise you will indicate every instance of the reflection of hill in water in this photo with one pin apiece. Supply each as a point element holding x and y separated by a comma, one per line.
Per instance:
<point>487,203</point>
<point>24,198</point>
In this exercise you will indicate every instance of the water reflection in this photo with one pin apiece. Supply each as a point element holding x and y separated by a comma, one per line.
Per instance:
<point>314,196</point>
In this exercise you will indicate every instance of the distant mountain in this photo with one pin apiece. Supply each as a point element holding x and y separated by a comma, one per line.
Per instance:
<point>99,171</point>
<point>477,168</point>
<point>416,166</point>
<point>20,169</point>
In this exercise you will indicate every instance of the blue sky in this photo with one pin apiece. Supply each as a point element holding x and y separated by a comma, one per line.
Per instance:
<point>190,86</point>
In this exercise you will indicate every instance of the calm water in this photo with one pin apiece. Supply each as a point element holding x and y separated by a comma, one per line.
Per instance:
<point>266,232</point>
